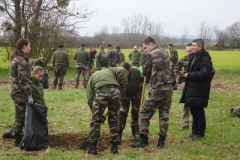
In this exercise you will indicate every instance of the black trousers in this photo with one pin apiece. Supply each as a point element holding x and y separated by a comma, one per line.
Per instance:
<point>198,120</point>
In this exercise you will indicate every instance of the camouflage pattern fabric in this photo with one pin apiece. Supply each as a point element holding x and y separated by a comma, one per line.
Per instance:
<point>173,56</point>
<point>59,73</point>
<point>159,98</point>
<point>82,69</point>
<point>185,118</point>
<point>125,105</point>
<point>105,97</point>
<point>182,64</point>
<point>112,58</point>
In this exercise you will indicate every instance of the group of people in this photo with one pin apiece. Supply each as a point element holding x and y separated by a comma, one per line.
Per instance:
<point>115,84</point>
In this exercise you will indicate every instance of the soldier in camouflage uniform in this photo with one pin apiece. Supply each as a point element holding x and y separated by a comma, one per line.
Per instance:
<point>102,61</point>
<point>183,64</point>
<point>20,80</point>
<point>135,56</point>
<point>83,66</point>
<point>157,69</point>
<point>92,54</point>
<point>174,60</point>
<point>143,55</point>
<point>132,95</point>
<point>60,64</point>
<point>120,55</point>
<point>112,56</point>
<point>104,91</point>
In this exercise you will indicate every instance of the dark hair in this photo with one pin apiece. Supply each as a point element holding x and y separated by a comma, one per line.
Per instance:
<point>118,47</point>
<point>125,65</point>
<point>200,42</point>
<point>109,45</point>
<point>148,40</point>
<point>189,44</point>
<point>83,45</point>
<point>101,47</point>
<point>60,46</point>
<point>170,45</point>
<point>19,46</point>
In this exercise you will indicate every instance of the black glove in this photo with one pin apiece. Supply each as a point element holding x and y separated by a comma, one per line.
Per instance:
<point>30,99</point>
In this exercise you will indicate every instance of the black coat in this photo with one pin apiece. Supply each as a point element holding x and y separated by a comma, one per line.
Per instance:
<point>198,83</point>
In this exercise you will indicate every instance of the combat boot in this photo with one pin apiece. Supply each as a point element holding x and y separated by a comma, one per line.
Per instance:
<point>120,135</point>
<point>114,148</point>
<point>142,143</point>
<point>9,133</point>
<point>161,141</point>
<point>18,139</point>
<point>92,148</point>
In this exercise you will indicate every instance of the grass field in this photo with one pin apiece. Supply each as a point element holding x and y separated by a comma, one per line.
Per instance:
<point>69,118</point>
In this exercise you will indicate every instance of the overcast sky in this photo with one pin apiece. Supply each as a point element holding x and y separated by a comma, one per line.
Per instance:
<point>173,14</point>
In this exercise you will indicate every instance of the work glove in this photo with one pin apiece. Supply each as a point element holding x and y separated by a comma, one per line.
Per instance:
<point>30,99</point>
<point>46,71</point>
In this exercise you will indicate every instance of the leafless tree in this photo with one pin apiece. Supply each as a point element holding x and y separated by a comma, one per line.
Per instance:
<point>102,36</point>
<point>184,36</point>
<point>234,35</point>
<point>205,31</point>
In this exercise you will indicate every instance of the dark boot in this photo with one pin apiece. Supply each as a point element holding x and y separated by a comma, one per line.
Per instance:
<point>9,133</point>
<point>133,132</point>
<point>18,139</point>
<point>92,148</point>
<point>142,143</point>
<point>120,135</point>
<point>114,148</point>
<point>161,141</point>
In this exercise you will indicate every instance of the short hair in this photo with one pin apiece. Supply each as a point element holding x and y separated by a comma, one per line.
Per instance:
<point>189,44</point>
<point>60,46</point>
<point>43,59</point>
<point>37,69</point>
<point>83,45</point>
<point>200,42</point>
<point>125,65</point>
<point>101,47</point>
<point>148,40</point>
<point>109,45</point>
<point>170,45</point>
<point>118,47</point>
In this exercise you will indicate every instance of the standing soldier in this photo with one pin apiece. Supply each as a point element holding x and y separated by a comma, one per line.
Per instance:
<point>102,59</point>
<point>104,91</point>
<point>92,54</point>
<point>133,94</point>
<point>20,80</point>
<point>120,55</point>
<point>157,69</point>
<point>112,56</point>
<point>60,64</point>
<point>174,60</point>
<point>83,62</point>
<point>183,64</point>
<point>143,55</point>
<point>135,56</point>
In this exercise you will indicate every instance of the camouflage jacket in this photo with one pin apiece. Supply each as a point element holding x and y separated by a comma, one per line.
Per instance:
<point>157,67</point>
<point>37,62</point>
<point>82,57</point>
<point>173,56</point>
<point>37,92</point>
<point>116,76</point>
<point>112,58</point>
<point>60,58</point>
<point>182,64</point>
<point>142,58</point>
<point>120,57</point>
<point>20,78</point>
<point>134,56</point>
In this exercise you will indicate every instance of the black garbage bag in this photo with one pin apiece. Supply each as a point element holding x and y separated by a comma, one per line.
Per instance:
<point>45,81</point>
<point>36,128</point>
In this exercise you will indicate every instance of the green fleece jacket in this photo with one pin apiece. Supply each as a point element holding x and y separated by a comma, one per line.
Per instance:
<point>37,92</point>
<point>134,84</point>
<point>60,58</point>
<point>116,76</point>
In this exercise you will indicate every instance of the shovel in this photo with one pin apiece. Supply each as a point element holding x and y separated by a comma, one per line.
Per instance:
<point>85,143</point>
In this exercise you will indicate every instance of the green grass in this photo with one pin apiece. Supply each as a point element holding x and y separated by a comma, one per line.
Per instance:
<point>68,113</point>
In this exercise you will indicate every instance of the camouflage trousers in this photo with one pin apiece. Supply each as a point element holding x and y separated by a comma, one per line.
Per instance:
<point>124,109</point>
<point>185,118</point>
<point>173,66</point>
<point>159,98</point>
<point>20,108</point>
<point>82,69</point>
<point>112,62</point>
<point>105,97</point>
<point>59,73</point>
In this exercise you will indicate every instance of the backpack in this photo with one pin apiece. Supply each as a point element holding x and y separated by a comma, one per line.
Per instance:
<point>235,111</point>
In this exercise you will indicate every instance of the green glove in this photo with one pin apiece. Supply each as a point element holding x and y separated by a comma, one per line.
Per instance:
<point>141,69</point>
<point>46,71</point>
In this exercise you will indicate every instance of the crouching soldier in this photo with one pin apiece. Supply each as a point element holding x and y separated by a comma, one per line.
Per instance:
<point>133,94</point>
<point>104,90</point>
